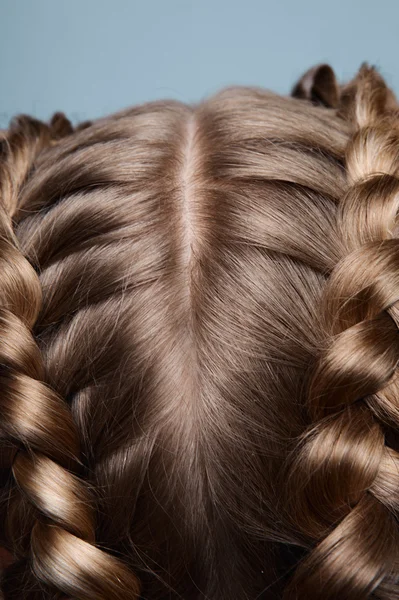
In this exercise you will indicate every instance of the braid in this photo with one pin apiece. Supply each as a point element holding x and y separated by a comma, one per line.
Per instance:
<point>50,510</point>
<point>345,478</point>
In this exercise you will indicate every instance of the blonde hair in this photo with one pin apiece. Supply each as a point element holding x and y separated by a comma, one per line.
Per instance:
<point>198,347</point>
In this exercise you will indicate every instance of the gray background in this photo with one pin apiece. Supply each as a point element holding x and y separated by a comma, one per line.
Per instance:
<point>92,57</point>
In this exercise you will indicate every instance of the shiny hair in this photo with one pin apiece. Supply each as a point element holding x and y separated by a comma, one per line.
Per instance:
<point>198,348</point>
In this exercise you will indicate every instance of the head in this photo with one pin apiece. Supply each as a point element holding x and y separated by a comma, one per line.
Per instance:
<point>199,340</point>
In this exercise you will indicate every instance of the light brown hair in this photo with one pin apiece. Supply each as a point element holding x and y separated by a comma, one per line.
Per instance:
<point>199,341</point>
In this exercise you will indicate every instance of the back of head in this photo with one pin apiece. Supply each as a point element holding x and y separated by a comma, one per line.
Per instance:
<point>198,348</point>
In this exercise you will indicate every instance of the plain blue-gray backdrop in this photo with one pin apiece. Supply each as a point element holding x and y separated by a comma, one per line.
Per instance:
<point>92,57</point>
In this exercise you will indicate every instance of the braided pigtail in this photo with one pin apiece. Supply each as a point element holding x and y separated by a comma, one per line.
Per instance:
<point>48,504</point>
<point>344,482</point>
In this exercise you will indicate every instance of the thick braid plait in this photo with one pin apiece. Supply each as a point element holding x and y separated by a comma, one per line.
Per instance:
<point>49,502</point>
<point>344,482</point>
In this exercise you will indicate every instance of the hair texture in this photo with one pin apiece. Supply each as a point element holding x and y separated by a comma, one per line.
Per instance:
<point>199,342</point>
